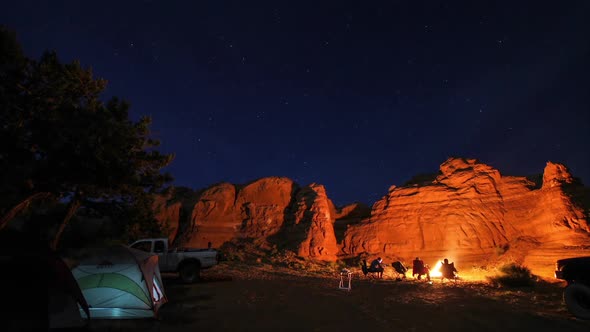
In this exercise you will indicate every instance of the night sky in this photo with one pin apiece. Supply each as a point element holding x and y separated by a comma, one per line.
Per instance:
<point>354,97</point>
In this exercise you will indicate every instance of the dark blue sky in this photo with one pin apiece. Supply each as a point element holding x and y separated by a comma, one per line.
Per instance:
<point>355,97</point>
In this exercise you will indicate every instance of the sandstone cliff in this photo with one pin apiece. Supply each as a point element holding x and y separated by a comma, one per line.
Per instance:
<point>272,210</point>
<point>468,212</point>
<point>315,214</point>
<point>168,214</point>
<point>471,212</point>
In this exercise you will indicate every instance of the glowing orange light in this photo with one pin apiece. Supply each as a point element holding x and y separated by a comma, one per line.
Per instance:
<point>435,271</point>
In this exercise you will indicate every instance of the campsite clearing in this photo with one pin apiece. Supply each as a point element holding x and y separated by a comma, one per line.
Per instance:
<point>246,298</point>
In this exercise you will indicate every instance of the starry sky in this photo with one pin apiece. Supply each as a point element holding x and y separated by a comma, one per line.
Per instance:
<point>357,97</point>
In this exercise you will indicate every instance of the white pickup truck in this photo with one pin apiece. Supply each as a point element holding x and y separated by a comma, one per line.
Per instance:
<point>188,262</point>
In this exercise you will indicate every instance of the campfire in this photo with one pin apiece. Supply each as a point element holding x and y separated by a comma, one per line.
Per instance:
<point>435,271</point>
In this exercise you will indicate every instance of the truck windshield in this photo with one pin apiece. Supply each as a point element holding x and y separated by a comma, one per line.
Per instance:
<point>143,246</point>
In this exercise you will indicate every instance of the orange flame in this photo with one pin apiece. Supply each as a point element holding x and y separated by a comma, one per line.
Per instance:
<point>435,271</point>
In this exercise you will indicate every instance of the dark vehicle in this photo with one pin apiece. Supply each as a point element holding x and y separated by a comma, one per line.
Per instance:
<point>576,271</point>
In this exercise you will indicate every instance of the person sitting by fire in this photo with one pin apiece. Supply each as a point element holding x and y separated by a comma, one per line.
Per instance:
<point>377,266</point>
<point>448,270</point>
<point>418,268</point>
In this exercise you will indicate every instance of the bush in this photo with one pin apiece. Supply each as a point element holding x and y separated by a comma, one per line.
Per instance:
<point>514,275</point>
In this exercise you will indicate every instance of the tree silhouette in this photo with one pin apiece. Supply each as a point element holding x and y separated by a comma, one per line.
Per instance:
<point>59,140</point>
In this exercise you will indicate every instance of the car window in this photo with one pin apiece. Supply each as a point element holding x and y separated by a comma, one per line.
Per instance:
<point>143,246</point>
<point>159,247</point>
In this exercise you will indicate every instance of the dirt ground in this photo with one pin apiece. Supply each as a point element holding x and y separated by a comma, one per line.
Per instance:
<point>243,298</point>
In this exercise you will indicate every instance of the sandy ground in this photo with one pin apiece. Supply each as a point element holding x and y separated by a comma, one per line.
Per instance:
<point>268,299</point>
<point>240,298</point>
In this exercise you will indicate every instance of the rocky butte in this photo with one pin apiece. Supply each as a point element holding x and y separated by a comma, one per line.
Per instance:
<point>467,212</point>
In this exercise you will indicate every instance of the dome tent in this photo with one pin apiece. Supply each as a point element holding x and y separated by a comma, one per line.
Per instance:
<point>120,283</point>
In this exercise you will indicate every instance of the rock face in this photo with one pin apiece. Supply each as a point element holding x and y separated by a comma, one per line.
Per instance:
<point>271,208</point>
<point>224,212</point>
<point>468,212</point>
<point>316,215</point>
<point>556,175</point>
<point>347,216</point>
<point>168,214</point>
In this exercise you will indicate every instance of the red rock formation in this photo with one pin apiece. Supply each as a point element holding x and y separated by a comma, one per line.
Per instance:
<point>168,215</point>
<point>213,217</point>
<point>470,211</point>
<point>347,216</point>
<point>260,210</point>
<point>224,212</point>
<point>555,175</point>
<point>316,215</point>
<point>262,205</point>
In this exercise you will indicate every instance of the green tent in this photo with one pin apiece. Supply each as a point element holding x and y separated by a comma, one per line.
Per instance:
<point>120,283</point>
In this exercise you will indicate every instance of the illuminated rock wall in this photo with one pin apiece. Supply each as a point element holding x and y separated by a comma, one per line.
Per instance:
<point>468,212</point>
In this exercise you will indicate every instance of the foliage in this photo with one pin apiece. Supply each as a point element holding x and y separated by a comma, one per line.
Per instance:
<point>57,136</point>
<point>514,275</point>
<point>140,221</point>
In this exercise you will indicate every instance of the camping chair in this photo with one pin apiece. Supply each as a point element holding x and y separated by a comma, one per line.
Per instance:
<point>400,270</point>
<point>366,271</point>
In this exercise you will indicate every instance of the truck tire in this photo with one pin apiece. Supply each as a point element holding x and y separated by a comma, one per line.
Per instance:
<point>189,272</point>
<point>577,300</point>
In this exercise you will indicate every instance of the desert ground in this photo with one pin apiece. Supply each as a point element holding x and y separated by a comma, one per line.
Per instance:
<point>240,297</point>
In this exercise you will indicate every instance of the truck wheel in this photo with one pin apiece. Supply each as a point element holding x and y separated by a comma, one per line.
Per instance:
<point>577,299</point>
<point>189,273</point>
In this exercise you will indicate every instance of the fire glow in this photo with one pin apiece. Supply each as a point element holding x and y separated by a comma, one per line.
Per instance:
<point>435,271</point>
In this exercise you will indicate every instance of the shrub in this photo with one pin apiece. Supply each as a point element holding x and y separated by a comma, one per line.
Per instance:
<point>514,275</point>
